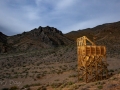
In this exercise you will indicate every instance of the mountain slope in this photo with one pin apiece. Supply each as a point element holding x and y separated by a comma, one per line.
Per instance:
<point>106,34</point>
<point>38,38</point>
<point>105,29</point>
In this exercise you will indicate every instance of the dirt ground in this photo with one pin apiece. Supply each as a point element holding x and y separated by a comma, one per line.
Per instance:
<point>55,71</point>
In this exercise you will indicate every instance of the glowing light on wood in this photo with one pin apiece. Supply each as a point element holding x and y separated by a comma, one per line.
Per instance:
<point>92,65</point>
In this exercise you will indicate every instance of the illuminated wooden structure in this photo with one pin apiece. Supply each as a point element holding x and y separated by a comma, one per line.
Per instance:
<point>92,65</point>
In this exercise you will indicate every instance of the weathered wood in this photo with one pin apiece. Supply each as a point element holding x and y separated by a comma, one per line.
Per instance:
<point>91,60</point>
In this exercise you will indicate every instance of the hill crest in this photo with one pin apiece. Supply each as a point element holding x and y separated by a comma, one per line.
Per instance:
<point>38,38</point>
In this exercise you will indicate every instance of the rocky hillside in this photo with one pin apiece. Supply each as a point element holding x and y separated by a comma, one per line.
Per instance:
<point>38,38</point>
<point>48,37</point>
<point>108,29</point>
<point>106,34</point>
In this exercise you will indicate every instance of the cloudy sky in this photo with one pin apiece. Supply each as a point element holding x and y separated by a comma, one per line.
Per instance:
<point>17,16</point>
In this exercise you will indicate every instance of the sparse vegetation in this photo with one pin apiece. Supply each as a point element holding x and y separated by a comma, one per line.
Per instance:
<point>100,87</point>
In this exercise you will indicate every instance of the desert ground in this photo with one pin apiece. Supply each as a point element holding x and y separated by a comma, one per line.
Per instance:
<point>51,69</point>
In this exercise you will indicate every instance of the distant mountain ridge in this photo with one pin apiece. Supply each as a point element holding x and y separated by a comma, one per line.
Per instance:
<point>108,28</point>
<point>38,38</point>
<point>49,37</point>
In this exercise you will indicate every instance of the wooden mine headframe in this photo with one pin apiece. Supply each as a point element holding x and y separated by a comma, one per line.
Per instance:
<point>92,65</point>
